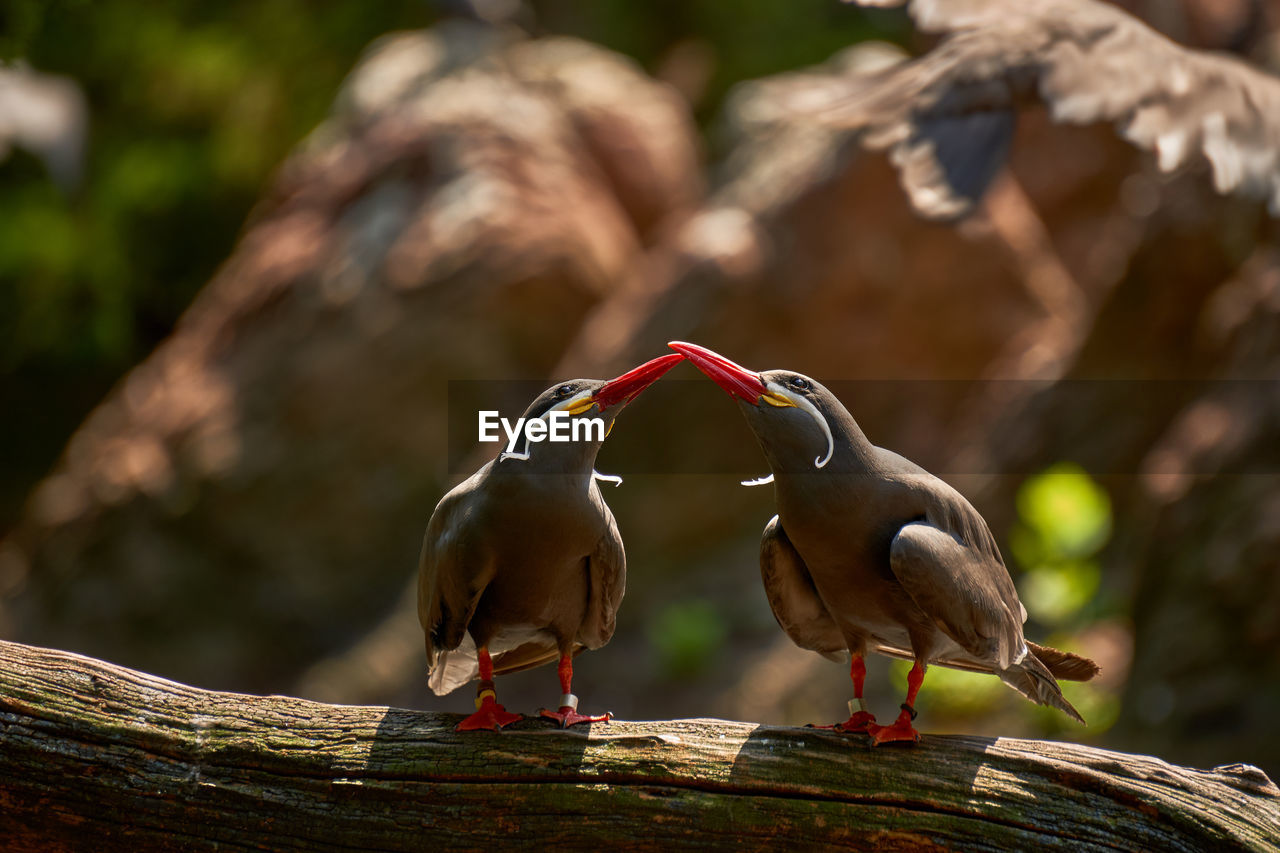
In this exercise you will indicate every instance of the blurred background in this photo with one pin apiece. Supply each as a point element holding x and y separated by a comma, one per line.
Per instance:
<point>250,252</point>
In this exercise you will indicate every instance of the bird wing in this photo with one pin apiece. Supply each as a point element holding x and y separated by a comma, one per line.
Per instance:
<point>793,597</point>
<point>450,578</point>
<point>607,572</point>
<point>947,118</point>
<point>949,564</point>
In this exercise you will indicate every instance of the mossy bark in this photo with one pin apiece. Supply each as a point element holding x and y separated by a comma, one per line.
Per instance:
<point>95,756</point>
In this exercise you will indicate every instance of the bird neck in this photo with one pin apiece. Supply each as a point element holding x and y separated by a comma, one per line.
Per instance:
<point>855,452</point>
<point>572,458</point>
<point>797,453</point>
<point>809,496</point>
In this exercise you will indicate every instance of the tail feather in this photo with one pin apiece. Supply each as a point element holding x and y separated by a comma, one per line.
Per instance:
<point>513,650</point>
<point>1033,680</point>
<point>449,670</point>
<point>1065,665</point>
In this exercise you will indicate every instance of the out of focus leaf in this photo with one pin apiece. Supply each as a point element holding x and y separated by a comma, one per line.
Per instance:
<point>1054,593</point>
<point>1067,511</point>
<point>1064,519</point>
<point>686,636</point>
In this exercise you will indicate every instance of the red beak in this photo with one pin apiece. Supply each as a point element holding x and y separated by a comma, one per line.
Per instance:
<point>628,386</point>
<point>733,378</point>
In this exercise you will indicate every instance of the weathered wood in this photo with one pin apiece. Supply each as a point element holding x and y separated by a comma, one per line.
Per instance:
<point>95,756</point>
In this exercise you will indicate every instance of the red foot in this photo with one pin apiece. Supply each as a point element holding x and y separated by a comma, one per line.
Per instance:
<point>491,716</point>
<point>900,732</point>
<point>859,723</point>
<point>569,716</point>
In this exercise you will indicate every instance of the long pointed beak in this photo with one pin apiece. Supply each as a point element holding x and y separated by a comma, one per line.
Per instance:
<point>628,386</point>
<point>735,379</point>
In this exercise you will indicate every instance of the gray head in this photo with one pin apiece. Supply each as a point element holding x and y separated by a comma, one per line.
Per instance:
<point>800,424</point>
<point>583,410</point>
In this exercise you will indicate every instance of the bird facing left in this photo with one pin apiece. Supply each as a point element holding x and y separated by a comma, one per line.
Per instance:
<point>522,562</point>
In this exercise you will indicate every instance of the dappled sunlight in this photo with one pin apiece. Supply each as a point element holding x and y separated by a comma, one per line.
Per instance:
<point>245,334</point>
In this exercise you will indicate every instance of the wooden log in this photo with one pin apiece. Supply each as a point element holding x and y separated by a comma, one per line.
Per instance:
<point>96,756</point>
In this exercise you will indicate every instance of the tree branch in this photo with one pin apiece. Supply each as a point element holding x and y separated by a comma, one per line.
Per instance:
<point>92,753</point>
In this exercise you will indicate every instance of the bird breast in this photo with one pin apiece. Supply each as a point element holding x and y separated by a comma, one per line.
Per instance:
<point>845,545</point>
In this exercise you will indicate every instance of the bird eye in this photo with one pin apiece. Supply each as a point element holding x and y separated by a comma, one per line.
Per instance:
<point>564,390</point>
<point>800,383</point>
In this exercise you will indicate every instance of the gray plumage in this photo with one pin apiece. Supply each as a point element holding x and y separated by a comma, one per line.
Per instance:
<point>523,557</point>
<point>869,551</point>
<point>872,552</point>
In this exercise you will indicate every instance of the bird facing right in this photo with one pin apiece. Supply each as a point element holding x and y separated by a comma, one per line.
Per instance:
<point>869,551</point>
<point>522,562</point>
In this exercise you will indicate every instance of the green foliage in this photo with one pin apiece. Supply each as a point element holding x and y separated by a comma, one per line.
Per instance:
<point>1057,592</point>
<point>686,636</point>
<point>1067,515</point>
<point>1064,519</point>
<point>192,106</point>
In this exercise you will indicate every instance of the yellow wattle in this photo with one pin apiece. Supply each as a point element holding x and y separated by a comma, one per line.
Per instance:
<point>775,399</point>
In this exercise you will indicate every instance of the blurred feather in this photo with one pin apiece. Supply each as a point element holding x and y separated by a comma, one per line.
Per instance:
<point>45,115</point>
<point>947,118</point>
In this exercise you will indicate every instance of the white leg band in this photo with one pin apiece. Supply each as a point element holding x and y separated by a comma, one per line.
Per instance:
<point>862,705</point>
<point>568,700</point>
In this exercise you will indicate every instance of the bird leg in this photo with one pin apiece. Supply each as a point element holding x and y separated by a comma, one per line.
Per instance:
<point>489,714</point>
<point>568,714</point>
<point>862,718</point>
<point>901,729</point>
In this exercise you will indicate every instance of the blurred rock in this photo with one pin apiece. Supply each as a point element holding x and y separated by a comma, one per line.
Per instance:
<point>1207,513</point>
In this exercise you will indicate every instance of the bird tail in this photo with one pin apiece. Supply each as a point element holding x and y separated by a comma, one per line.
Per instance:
<point>1033,679</point>
<point>1065,665</point>
<point>449,670</point>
